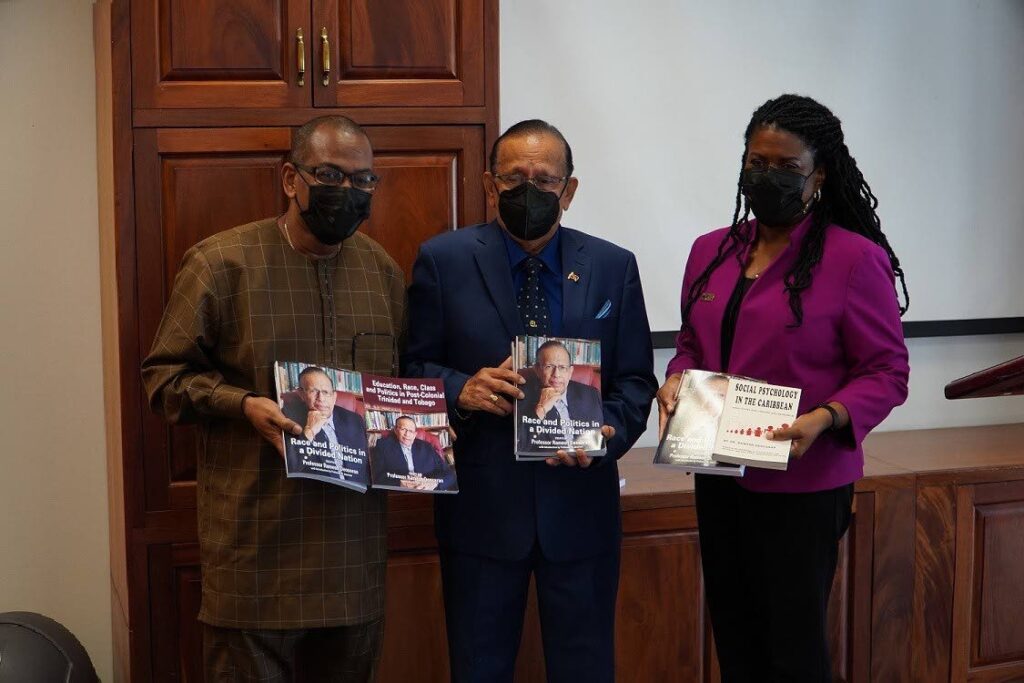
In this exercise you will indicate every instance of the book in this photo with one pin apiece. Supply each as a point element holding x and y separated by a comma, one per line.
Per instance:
<point>562,404</point>
<point>328,404</point>
<point>364,431</point>
<point>751,410</point>
<point>410,445</point>
<point>689,439</point>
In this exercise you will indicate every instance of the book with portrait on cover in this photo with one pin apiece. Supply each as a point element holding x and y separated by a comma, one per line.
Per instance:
<point>748,410</point>
<point>328,404</point>
<point>365,431</point>
<point>407,430</point>
<point>562,404</point>
<point>689,439</point>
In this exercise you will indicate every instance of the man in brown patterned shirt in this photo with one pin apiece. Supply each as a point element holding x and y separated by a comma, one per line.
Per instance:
<point>293,569</point>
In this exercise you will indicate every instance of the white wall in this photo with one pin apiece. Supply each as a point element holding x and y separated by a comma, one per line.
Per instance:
<point>53,530</point>
<point>654,97</point>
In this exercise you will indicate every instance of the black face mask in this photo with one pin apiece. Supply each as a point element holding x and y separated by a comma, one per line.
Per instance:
<point>528,213</point>
<point>775,196</point>
<point>335,213</point>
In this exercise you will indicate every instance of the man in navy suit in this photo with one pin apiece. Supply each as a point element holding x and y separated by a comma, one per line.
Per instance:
<point>323,422</point>
<point>553,397</point>
<point>401,453</point>
<point>473,290</point>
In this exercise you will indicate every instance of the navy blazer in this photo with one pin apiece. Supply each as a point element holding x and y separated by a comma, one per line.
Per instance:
<point>462,317</point>
<point>387,456</point>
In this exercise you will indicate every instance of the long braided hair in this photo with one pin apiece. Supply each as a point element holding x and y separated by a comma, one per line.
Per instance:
<point>846,198</point>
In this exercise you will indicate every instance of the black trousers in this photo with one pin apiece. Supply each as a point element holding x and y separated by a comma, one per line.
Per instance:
<point>769,560</point>
<point>485,600</point>
<point>317,655</point>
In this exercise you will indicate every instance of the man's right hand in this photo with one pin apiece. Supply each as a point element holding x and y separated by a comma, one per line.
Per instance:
<point>489,389</point>
<point>314,422</point>
<point>667,401</point>
<point>546,401</point>
<point>266,416</point>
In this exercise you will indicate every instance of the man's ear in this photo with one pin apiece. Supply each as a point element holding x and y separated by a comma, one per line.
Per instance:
<point>490,189</point>
<point>570,192</point>
<point>289,176</point>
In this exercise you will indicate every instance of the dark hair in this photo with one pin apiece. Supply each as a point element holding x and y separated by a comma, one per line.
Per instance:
<point>314,370</point>
<point>551,344</point>
<point>406,417</point>
<point>532,127</point>
<point>300,138</point>
<point>846,198</point>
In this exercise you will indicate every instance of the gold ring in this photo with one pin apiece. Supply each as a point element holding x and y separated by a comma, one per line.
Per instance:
<point>494,398</point>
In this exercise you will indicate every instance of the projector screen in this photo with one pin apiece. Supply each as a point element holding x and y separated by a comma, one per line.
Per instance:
<point>654,96</point>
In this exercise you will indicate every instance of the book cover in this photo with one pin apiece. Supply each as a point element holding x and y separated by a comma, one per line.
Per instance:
<point>562,404</point>
<point>752,409</point>
<point>408,436</point>
<point>328,404</point>
<point>689,439</point>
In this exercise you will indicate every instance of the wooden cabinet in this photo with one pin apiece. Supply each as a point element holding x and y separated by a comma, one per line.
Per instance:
<point>198,101</point>
<point>988,588</point>
<point>399,52</point>
<point>219,53</point>
<point>302,53</point>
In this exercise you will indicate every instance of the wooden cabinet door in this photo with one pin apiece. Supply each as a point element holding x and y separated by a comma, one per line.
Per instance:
<point>988,589</point>
<point>400,53</point>
<point>192,183</point>
<point>431,182</point>
<point>220,53</point>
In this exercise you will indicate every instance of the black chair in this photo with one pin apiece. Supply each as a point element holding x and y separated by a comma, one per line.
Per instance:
<point>36,649</point>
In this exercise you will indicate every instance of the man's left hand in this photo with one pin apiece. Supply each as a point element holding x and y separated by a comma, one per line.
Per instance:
<point>804,430</point>
<point>578,456</point>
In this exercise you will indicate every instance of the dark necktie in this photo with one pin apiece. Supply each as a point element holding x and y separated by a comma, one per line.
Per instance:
<point>533,307</point>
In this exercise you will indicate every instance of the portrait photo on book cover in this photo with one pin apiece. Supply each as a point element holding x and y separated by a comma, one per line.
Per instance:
<point>411,451</point>
<point>561,407</point>
<point>328,404</point>
<point>699,404</point>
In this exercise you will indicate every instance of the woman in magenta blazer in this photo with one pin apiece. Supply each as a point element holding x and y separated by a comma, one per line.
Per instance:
<point>803,295</point>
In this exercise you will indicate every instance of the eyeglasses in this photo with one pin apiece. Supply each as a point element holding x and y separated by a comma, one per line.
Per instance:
<point>560,369</point>
<point>327,174</point>
<point>541,182</point>
<point>317,393</point>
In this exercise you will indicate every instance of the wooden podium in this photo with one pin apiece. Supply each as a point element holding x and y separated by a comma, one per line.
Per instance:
<point>1005,379</point>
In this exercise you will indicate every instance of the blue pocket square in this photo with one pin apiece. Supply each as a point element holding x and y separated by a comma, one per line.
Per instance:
<point>605,310</point>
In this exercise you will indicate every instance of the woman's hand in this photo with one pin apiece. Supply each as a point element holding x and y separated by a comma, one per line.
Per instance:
<point>804,430</point>
<point>667,401</point>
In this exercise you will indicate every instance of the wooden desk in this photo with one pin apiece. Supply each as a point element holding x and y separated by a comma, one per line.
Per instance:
<point>930,583</point>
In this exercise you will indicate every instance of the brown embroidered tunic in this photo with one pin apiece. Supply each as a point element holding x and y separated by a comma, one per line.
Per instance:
<point>276,553</point>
